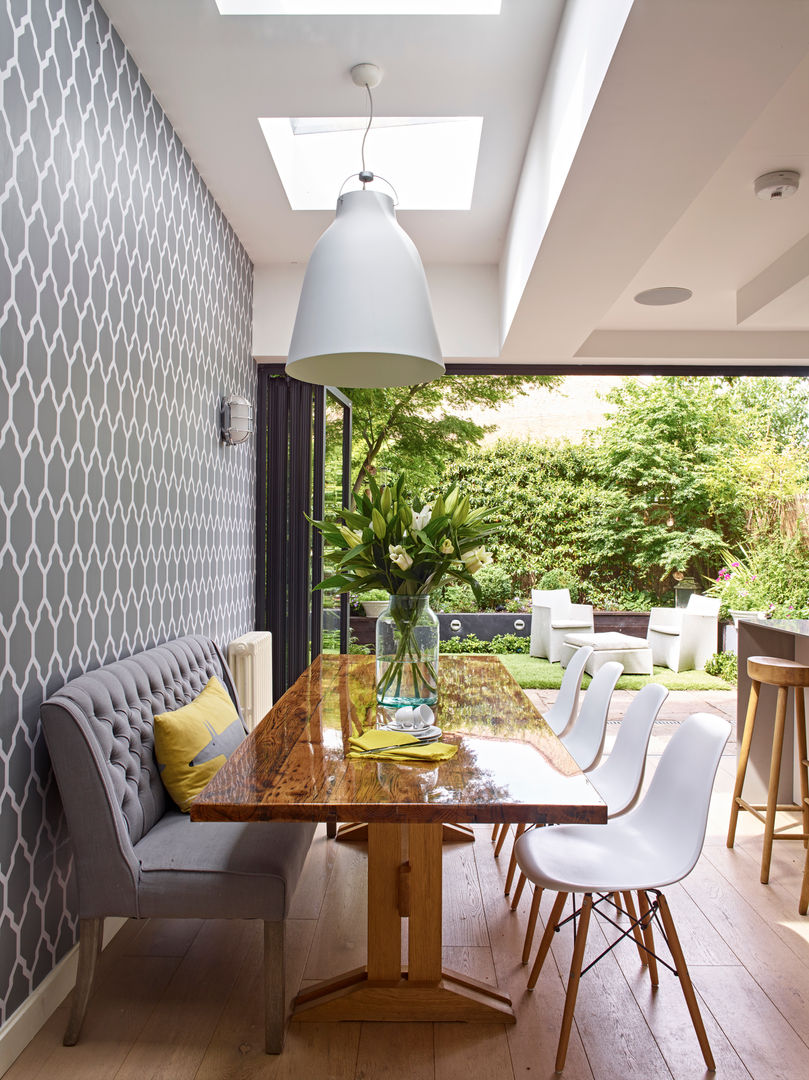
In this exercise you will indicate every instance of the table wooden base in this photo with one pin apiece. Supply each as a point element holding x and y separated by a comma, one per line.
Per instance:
<point>358,830</point>
<point>404,882</point>
<point>354,997</point>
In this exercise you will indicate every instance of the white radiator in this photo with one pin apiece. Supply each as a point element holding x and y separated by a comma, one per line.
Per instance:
<point>250,661</point>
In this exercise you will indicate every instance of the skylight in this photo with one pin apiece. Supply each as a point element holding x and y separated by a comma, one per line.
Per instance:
<point>359,7</point>
<point>430,160</point>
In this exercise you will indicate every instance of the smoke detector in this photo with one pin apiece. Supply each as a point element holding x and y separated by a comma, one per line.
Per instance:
<point>777,185</point>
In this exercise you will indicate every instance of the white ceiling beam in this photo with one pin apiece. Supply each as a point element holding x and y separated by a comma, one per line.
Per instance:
<point>778,279</point>
<point>741,345</point>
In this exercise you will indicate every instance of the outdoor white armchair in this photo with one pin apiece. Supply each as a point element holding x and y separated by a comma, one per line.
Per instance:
<point>684,638</point>
<point>553,617</point>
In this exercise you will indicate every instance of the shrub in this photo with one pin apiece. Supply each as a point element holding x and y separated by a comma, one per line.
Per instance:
<point>509,643</point>
<point>773,577</point>
<point>331,644</point>
<point>495,586</point>
<point>561,579</point>
<point>725,665</point>
<point>500,643</point>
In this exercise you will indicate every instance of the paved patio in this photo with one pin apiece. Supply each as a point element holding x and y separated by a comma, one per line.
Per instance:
<point>677,706</point>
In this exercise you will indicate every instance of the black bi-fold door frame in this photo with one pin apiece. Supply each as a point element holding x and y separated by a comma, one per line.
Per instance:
<point>290,484</point>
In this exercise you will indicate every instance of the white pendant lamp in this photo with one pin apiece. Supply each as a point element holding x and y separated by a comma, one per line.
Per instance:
<point>364,316</point>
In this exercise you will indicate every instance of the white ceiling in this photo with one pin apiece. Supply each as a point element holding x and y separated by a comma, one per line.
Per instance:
<point>614,158</point>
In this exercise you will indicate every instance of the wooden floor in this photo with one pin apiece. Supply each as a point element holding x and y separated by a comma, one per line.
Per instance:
<point>182,1000</point>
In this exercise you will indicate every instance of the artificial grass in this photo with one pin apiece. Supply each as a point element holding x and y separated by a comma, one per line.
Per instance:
<point>535,674</point>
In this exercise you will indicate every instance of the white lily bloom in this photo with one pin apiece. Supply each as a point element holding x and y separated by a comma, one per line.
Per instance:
<point>473,560</point>
<point>420,520</point>
<point>399,556</point>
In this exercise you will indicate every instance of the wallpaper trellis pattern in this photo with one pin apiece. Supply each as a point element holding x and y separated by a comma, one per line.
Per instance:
<point>125,314</point>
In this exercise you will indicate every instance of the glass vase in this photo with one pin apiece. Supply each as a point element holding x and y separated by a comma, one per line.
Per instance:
<point>407,639</point>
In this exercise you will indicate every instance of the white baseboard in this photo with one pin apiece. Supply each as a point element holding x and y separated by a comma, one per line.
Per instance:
<point>20,1028</point>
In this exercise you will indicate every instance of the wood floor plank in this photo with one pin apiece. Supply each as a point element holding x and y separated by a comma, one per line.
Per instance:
<point>472,1052</point>
<point>391,1051</point>
<point>533,1039</point>
<point>464,922</point>
<point>664,1008</point>
<point>126,996</point>
<point>773,903</point>
<point>317,870</point>
<point>610,1024</point>
<point>174,1039</point>
<point>765,1042</point>
<point>162,937</point>
<point>342,933</point>
<point>236,1049</point>
<point>771,963</point>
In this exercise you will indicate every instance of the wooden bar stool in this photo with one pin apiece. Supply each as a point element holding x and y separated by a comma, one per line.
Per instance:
<point>773,671</point>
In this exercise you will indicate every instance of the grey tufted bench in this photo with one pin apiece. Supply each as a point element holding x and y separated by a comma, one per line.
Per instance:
<point>136,854</point>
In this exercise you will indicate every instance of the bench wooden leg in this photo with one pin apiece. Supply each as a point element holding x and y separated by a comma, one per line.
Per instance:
<point>274,988</point>
<point>91,938</point>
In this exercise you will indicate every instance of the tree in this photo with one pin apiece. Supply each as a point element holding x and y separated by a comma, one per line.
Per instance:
<point>418,429</point>
<point>692,465</point>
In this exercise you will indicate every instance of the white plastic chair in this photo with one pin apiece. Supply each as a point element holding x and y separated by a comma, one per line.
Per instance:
<point>584,742</point>
<point>684,638</point>
<point>654,845</point>
<point>617,780</point>
<point>585,739</point>
<point>560,715</point>
<point>553,617</point>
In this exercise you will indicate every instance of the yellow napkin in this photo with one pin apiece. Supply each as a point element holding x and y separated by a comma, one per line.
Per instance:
<point>411,748</point>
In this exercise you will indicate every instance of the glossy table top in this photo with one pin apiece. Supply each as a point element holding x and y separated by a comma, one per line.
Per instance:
<point>509,766</point>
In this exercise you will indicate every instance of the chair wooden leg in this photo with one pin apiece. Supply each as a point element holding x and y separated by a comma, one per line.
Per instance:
<point>515,900</point>
<point>547,937</point>
<point>629,904</point>
<point>532,922</point>
<point>775,774</point>
<point>685,981</point>
<point>744,757</point>
<point>495,831</point>
<point>800,721</point>
<point>274,988</point>
<point>616,899</point>
<point>91,937</point>
<point>803,904</point>
<point>501,839</point>
<point>648,936</point>
<point>512,863</point>
<point>573,980</point>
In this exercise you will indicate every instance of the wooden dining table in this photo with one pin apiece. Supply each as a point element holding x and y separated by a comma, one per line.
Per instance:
<point>509,767</point>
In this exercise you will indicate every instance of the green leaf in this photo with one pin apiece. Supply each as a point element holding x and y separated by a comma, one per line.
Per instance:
<point>337,581</point>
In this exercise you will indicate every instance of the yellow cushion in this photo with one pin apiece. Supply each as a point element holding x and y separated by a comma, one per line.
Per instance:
<point>192,743</point>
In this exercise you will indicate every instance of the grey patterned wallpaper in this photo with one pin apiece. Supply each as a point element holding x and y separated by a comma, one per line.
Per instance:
<point>125,311</point>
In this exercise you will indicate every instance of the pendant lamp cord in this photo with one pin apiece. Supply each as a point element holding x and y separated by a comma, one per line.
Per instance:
<point>368,128</point>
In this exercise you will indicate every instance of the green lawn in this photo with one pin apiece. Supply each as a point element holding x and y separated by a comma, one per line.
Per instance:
<point>535,674</point>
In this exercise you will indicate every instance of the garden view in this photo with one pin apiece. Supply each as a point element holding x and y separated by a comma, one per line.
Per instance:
<point>686,479</point>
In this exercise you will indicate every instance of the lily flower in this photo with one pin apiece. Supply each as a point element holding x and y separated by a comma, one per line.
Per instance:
<point>399,556</point>
<point>473,560</point>
<point>420,520</point>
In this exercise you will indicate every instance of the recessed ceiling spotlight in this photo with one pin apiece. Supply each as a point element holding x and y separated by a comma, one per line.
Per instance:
<point>666,294</point>
<point>777,185</point>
